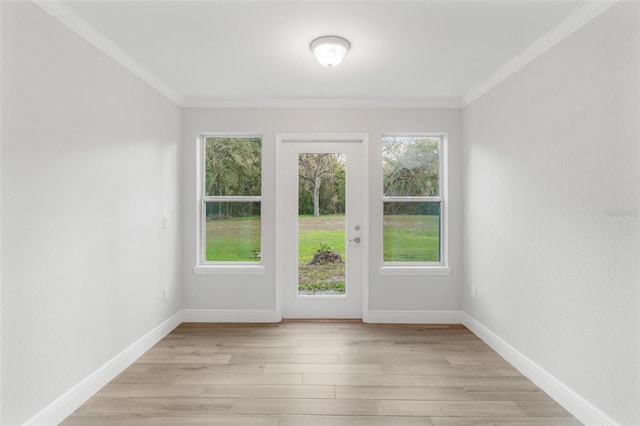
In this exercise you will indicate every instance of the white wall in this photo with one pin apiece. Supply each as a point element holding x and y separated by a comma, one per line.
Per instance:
<point>551,198</point>
<point>257,292</point>
<point>90,165</point>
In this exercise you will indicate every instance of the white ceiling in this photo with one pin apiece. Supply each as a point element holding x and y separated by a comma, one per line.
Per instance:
<point>216,52</point>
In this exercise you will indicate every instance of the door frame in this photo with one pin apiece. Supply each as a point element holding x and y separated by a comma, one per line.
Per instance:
<point>362,138</point>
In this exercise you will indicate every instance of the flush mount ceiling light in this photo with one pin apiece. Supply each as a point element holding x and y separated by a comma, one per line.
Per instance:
<point>330,50</point>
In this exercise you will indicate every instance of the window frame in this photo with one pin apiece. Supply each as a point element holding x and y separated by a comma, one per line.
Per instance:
<point>224,267</point>
<point>421,268</point>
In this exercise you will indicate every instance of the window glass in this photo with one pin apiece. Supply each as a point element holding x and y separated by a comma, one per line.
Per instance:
<point>233,166</point>
<point>411,166</point>
<point>411,232</point>
<point>231,200</point>
<point>412,199</point>
<point>233,231</point>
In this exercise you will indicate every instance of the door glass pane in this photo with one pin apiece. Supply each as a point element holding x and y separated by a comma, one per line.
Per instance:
<point>412,232</point>
<point>321,224</point>
<point>233,231</point>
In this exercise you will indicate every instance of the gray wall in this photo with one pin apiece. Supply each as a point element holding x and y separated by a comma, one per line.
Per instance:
<point>90,165</point>
<point>257,292</point>
<point>551,198</point>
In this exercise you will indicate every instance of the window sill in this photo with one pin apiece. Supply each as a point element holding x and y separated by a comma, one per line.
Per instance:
<point>415,270</point>
<point>228,270</point>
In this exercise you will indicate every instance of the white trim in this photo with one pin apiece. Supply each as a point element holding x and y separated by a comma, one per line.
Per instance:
<point>401,270</point>
<point>73,21</point>
<point>321,137</point>
<point>411,199</point>
<point>232,198</point>
<point>436,103</point>
<point>366,191</point>
<point>278,139</point>
<point>229,315</point>
<point>415,317</point>
<point>582,409</point>
<point>68,402</point>
<point>443,199</point>
<point>227,269</point>
<point>362,138</point>
<point>202,266</point>
<point>584,14</point>
<point>85,30</point>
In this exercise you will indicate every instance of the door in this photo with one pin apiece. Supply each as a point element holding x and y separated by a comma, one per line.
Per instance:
<point>320,214</point>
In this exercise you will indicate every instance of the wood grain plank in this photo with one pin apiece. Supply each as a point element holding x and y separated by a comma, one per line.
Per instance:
<point>353,421</point>
<point>323,368</point>
<point>194,357</point>
<point>345,407</point>
<point>283,359</point>
<point>506,421</point>
<point>145,405</point>
<point>402,392</point>
<point>201,419</point>
<point>515,395</point>
<point>239,379</point>
<point>270,391</point>
<point>139,391</point>
<point>365,379</point>
<point>449,408</point>
<point>320,373</point>
<point>548,408</point>
<point>486,384</point>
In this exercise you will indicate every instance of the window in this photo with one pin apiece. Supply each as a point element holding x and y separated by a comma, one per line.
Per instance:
<point>231,181</point>
<point>413,202</point>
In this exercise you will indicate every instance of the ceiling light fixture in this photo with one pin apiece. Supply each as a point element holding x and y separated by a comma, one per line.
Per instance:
<point>330,50</point>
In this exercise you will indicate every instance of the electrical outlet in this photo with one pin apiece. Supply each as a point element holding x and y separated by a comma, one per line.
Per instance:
<point>474,291</point>
<point>166,222</point>
<point>166,294</point>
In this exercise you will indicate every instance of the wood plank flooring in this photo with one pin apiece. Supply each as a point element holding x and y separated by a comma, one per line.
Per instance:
<point>320,373</point>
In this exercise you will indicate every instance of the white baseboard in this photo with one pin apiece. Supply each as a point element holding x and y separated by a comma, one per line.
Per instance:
<point>414,317</point>
<point>67,403</point>
<point>229,315</point>
<point>582,409</point>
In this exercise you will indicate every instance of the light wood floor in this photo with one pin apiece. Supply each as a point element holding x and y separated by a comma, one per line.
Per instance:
<point>320,373</point>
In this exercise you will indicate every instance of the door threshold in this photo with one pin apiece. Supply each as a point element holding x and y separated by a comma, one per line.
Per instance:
<point>349,320</point>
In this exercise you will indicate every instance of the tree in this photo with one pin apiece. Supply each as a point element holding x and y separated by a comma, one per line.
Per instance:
<point>314,169</point>
<point>232,168</point>
<point>411,166</point>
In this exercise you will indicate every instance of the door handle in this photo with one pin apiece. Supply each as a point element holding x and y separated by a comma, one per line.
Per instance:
<point>355,240</point>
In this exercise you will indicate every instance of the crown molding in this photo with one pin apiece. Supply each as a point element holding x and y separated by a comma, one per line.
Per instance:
<point>444,103</point>
<point>81,27</point>
<point>579,18</point>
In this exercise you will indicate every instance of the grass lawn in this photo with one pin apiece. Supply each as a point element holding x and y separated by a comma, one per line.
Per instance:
<point>406,239</point>
<point>410,238</point>
<point>316,231</point>
<point>236,239</point>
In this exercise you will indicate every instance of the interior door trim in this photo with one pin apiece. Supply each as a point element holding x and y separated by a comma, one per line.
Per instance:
<point>362,138</point>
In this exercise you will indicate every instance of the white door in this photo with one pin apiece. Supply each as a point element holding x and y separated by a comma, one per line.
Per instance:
<point>321,231</point>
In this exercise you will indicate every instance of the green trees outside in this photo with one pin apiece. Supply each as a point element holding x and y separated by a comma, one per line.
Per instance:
<point>411,166</point>
<point>233,168</point>
<point>411,228</point>
<point>322,184</point>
